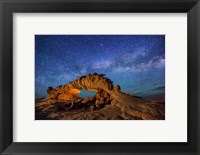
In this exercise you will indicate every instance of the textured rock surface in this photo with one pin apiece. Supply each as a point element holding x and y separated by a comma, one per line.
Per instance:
<point>117,87</point>
<point>94,81</point>
<point>108,102</point>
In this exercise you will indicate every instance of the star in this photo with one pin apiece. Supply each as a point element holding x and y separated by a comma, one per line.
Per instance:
<point>135,62</point>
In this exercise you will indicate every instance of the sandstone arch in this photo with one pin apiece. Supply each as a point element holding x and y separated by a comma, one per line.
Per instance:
<point>97,82</point>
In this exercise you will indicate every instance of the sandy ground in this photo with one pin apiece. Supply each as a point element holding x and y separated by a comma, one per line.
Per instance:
<point>123,107</point>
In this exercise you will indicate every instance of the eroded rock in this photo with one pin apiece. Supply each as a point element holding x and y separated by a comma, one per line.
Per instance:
<point>97,82</point>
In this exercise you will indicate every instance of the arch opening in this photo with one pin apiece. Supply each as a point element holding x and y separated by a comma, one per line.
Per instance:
<point>86,94</point>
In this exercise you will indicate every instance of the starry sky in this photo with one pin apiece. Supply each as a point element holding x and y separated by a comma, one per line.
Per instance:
<point>135,62</point>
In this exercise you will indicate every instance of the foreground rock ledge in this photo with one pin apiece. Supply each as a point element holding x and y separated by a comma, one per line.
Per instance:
<point>109,103</point>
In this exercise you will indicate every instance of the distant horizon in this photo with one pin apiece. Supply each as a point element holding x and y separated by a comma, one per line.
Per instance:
<point>135,62</point>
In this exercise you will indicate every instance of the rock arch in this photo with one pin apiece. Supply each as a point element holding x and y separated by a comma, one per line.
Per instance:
<point>97,82</point>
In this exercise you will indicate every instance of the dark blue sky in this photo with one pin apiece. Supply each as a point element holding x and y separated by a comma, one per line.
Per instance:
<point>135,62</point>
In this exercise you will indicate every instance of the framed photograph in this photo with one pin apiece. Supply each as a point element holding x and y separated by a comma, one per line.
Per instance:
<point>99,77</point>
<point>82,68</point>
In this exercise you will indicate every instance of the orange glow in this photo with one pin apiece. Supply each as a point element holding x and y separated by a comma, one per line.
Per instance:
<point>74,91</point>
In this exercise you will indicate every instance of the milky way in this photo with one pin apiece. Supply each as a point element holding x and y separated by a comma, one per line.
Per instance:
<point>135,62</point>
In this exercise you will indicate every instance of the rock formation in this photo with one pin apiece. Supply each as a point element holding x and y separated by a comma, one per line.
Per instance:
<point>108,102</point>
<point>97,82</point>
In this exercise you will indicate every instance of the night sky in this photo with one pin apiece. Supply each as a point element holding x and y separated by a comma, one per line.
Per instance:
<point>135,62</point>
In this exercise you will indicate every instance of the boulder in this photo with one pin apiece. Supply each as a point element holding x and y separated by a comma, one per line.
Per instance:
<point>117,88</point>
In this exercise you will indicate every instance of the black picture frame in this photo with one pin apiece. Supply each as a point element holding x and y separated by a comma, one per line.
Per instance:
<point>8,7</point>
